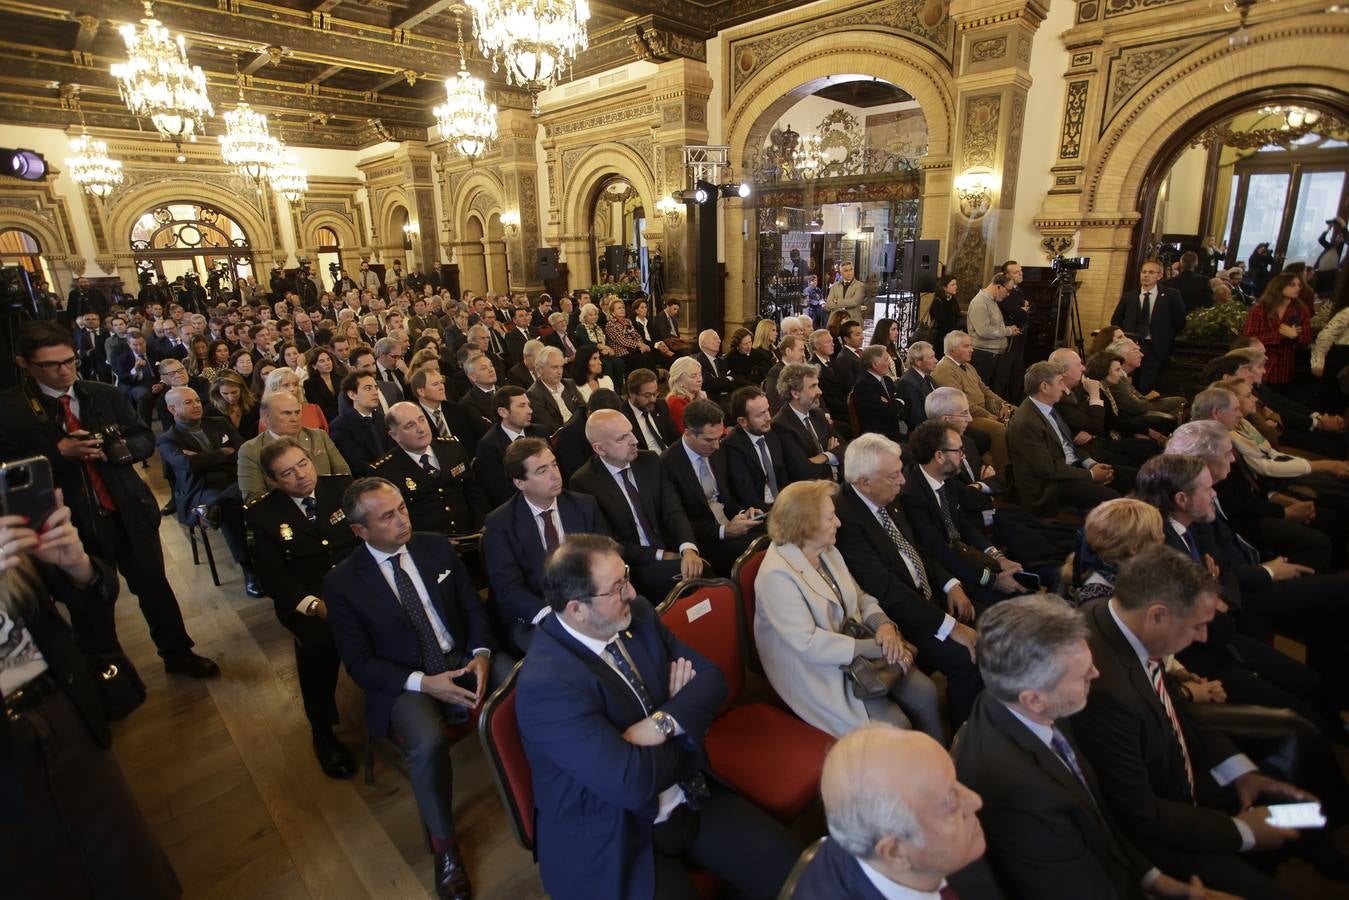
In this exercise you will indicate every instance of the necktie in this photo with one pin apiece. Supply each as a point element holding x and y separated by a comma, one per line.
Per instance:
<point>709,486</point>
<point>772,483</point>
<point>648,535</point>
<point>1069,453</point>
<point>428,466</point>
<point>1146,323</point>
<point>1191,544</point>
<point>653,433</point>
<point>310,506</point>
<point>433,657</point>
<point>439,421</point>
<point>550,540</point>
<point>814,435</point>
<point>1064,751</point>
<point>907,551</point>
<point>95,480</point>
<point>952,532</point>
<point>566,342</point>
<point>1159,686</point>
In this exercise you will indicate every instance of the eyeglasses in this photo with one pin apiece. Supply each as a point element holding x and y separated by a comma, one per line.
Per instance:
<point>53,365</point>
<point>960,450</point>
<point>623,582</point>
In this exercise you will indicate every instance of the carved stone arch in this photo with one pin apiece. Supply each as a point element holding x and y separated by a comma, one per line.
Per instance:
<point>312,222</point>
<point>468,194</point>
<point>49,239</point>
<point>591,172</point>
<point>390,229</point>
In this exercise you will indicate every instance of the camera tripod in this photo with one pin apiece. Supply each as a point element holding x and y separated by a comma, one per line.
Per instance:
<point>1068,326</point>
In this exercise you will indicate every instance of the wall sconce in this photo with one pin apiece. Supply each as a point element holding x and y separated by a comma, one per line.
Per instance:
<point>510,221</point>
<point>410,231</point>
<point>670,209</point>
<point>975,192</point>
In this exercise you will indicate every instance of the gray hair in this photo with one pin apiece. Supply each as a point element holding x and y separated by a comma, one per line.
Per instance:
<point>952,339</point>
<point>546,354</point>
<point>921,348</point>
<point>587,309</point>
<point>556,317</point>
<point>1203,438</point>
<point>276,376</point>
<point>944,401</point>
<point>385,346</point>
<point>872,353</point>
<point>1041,373</point>
<point>1120,346</point>
<point>353,498</point>
<point>1022,644</point>
<point>793,376</point>
<point>270,397</point>
<point>863,457</point>
<point>476,331</point>
<point>1211,400</point>
<point>532,348</point>
<point>816,336</point>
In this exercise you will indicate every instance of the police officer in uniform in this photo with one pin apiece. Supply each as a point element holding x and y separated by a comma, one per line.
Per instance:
<point>432,473</point>
<point>297,533</point>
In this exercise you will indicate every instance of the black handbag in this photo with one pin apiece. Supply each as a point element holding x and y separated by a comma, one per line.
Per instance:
<point>119,685</point>
<point>869,678</point>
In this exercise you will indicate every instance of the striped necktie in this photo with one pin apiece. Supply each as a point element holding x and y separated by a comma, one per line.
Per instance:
<point>1155,675</point>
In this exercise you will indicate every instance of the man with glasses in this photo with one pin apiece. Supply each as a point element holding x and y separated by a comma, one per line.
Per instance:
<point>53,414</point>
<point>648,414</point>
<point>612,710</point>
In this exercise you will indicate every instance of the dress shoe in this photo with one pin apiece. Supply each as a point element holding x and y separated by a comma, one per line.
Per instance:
<point>451,876</point>
<point>189,663</point>
<point>208,517</point>
<point>334,759</point>
<point>169,508</point>
<point>251,586</point>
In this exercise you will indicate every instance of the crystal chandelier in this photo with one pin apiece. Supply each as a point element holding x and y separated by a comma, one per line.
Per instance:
<point>534,39</point>
<point>157,83</point>
<point>466,120</point>
<point>807,158</point>
<point>289,179</point>
<point>91,167</point>
<point>246,144</point>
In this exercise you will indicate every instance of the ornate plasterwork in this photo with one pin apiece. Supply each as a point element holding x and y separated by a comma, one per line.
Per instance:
<point>1122,7</point>
<point>603,120</point>
<point>988,49</point>
<point>980,132</point>
<point>1012,162</point>
<point>1136,65</point>
<point>1074,115</point>
<point>905,17</point>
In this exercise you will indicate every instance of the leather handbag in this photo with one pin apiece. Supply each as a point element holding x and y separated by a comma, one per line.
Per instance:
<point>119,685</point>
<point>869,678</point>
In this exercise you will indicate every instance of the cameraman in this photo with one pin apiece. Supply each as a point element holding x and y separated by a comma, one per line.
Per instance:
<point>54,415</point>
<point>68,823</point>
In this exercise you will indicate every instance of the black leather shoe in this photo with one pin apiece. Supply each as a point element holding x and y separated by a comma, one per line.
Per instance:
<point>169,508</point>
<point>189,663</point>
<point>451,876</point>
<point>251,586</point>
<point>334,759</point>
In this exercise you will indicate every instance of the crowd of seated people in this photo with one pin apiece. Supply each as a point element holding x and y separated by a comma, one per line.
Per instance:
<point>430,489</point>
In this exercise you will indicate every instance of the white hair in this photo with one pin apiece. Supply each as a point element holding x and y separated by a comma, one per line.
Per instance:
<point>952,339</point>
<point>545,355</point>
<point>944,401</point>
<point>864,456</point>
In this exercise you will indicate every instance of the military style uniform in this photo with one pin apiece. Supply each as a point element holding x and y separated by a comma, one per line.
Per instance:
<point>448,501</point>
<point>291,555</point>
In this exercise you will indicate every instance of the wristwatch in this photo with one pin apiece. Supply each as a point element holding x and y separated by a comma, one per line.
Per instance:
<point>313,608</point>
<point>665,722</point>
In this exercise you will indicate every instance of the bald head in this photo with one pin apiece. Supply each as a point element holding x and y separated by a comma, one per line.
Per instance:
<point>184,405</point>
<point>408,426</point>
<point>610,433</point>
<point>1072,366</point>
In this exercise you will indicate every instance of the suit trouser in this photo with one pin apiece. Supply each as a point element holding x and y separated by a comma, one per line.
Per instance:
<point>911,704</point>
<point>1306,545</point>
<point>963,681</point>
<point>140,559</point>
<point>1313,609</point>
<point>654,579</point>
<point>316,666</point>
<point>1221,871</point>
<point>418,720</point>
<point>1085,493</point>
<point>1150,369</point>
<point>730,837</point>
<point>997,435</point>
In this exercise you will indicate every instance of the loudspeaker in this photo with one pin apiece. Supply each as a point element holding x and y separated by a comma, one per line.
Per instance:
<point>616,257</point>
<point>547,263</point>
<point>920,267</point>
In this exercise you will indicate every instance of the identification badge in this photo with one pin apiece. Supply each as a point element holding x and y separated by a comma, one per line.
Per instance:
<point>412,485</point>
<point>458,470</point>
<point>286,533</point>
<point>336,517</point>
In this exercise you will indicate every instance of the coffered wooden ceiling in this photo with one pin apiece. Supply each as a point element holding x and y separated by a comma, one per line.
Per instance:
<point>329,73</point>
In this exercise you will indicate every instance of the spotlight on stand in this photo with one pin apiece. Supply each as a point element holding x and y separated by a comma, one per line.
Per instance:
<point>740,190</point>
<point>700,195</point>
<point>26,164</point>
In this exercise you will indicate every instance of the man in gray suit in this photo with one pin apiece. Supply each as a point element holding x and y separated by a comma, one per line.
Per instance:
<point>279,413</point>
<point>553,399</point>
<point>848,294</point>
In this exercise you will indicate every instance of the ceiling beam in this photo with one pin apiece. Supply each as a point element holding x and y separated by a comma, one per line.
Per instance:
<point>324,6</point>
<point>263,57</point>
<point>88,31</point>
<point>420,11</point>
<point>326,74</point>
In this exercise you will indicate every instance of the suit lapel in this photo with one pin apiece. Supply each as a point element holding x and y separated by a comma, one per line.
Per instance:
<point>1133,670</point>
<point>526,529</point>
<point>618,685</point>
<point>1044,757</point>
<point>375,583</point>
<point>430,577</point>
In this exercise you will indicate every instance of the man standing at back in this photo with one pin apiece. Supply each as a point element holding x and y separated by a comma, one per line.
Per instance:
<point>1152,315</point>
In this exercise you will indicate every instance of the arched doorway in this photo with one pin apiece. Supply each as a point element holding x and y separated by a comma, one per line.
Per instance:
<point>193,240</point>
<point>617,232</point>
<point>472,264</point>
<point>494,249</point>
<point>329,256</point>
<point>22,248</point>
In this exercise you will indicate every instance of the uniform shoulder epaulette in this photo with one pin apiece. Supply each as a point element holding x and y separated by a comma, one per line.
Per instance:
<point>450,439</point>
<point>383,459</point>
<point>259,498</point>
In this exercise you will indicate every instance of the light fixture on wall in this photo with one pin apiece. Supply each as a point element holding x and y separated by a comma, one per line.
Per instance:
<point>466,120</point>
<point>156,82</point>
<point>410,231</point>
<point>247,145</point>
<point>535,40</point>
<point>510,222</point>
<point>671,209</point>
<point>289,179</point>
<point>974,190</point>
<point>89,164</point>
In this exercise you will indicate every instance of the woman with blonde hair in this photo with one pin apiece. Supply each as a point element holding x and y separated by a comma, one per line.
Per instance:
<point>686,385</point>
<point>764,348</point>
<point>1113,532</point>
<point>805,603</point>
<point>233,399</point>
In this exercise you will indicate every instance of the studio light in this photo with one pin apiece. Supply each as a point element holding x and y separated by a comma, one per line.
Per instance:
<point>26,164</point>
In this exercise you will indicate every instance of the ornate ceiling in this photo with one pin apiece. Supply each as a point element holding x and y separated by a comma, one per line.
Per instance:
<point>329,73</point>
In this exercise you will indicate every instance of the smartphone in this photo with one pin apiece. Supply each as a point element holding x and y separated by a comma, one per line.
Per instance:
<point>26,489</point>
<point>1028,580</point>
<point>1296,815</point>
<point>758,518</point>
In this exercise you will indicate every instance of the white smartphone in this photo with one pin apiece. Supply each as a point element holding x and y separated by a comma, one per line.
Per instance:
<point>1296,815</point>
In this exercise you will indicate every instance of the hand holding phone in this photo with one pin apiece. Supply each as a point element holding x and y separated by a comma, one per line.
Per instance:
<point>1296,815</point>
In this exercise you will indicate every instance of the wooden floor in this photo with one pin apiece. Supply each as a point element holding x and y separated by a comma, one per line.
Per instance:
<point>225,773</point>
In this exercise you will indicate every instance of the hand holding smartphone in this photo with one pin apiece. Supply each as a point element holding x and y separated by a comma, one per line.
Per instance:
<point>1296,815</point>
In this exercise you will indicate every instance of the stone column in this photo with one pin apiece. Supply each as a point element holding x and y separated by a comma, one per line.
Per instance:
<point>519,170</point>
<point>680,90</point>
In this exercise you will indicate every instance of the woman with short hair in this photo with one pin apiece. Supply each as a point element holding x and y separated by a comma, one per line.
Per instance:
<point>686,385</point>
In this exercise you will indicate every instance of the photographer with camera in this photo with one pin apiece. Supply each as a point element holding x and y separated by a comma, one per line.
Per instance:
<point>93,439</point>
<point>70,825</point>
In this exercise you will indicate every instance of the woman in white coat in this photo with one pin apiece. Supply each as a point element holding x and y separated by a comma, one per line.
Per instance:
<point>803,595</point>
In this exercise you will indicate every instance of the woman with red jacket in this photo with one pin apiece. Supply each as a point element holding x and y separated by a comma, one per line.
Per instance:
<point>1282,322</point>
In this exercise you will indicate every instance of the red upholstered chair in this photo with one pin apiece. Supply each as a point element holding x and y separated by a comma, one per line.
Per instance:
<point>761,750</point>
<point>743,573</point>
<point>500,733</point>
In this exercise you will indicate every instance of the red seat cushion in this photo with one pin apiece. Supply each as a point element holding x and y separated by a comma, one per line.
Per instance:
<point>507,750</point>
<point>770,756</point>
<point>747,574</point>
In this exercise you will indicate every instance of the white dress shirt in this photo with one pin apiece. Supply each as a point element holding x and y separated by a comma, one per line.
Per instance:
<point>697,460</point>
<point>948,621</point>
<point>54,394</point>
<point>647,540</point>
<point>893,891</point>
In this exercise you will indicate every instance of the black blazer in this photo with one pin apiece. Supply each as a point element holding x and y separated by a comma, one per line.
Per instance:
<point>675,461</point>
<point>717,381</point>
<point>913,390</point>
<point>359,444</point>
<point>514,343</point>
<point>207,474</point>
<point>660,503</point>
<point>924,513</point>
<point>316,392</point>
<point>1048,836</point>
<point>770,388</point>
<point>464,423</point>
<point>745,470</point>
<point>449,502</point>
<point>799,445</point>
<point>1167,320</point>
<point>489,463</point>
<point>834,393</point>
<point>660,417</point>
<point>1126,736</point>
<point>123,366</point>
<point>547,414</point>
<point>481,402</point>
<point>744,369</point>
<point>878,406</point>
<point>1194,289</point>
<point>873,559</point>
<point>573,450</point>
<point>662,328</point>
<point>847,365</point>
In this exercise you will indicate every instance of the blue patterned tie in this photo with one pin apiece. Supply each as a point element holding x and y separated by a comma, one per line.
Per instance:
<point>310,508</point>
<point>1064,751</point>
<point>433,657</point>
<point>906,549</point>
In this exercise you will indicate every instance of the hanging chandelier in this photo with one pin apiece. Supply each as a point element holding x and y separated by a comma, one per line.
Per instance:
<point>156,82</point>
<point>466,120</point>
<point>91,167</point>
<point>807,158</point>
<point>535,40</point>
<point>247,145</point>
<point>289,179</point>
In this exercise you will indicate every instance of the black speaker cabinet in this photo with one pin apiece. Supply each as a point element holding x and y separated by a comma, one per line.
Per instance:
<point>547,263</point>
<point>920,266</point>
<point>616,259</point>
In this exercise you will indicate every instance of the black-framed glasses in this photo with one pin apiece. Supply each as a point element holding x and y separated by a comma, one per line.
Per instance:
<point>54,364</point>
<point>960,450</point>
<point>618,589</point>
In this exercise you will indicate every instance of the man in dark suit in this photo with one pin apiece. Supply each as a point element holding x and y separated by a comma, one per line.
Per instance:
<point>363,360</point>
<point>1083,411</point>
<point>1049,833</point>
<point>298,533</point>
<point>1171,783</point>
<point>90,341</point>
<point>756,464</point>
<point>388,363</point>
<point>717,381</point>
<point>640,505</point>
<point>480,395</point>
<point>516,337</point>
<point>613,709</point>
<point>359,431</point>
<point>414,635</point>
<point>811,448</point>
<point>665,329</point>
<point>447,418</point>
<point>875,396</point>
<point>84,298</point>
<point>697,469</point>
<point>203,456</point>
<point>648,414</point>
<point>1049,472</point>
<point>133,371</point>
<point>916,383</point>
<point>552,398</point>
<point>1192,284</point>
<point>520,533</point>
<point>433,474</point>
<point>1153,316</point>
<point>513,416</point>
<point>914,589</point>
<point>847,362</point>
<point>834,393</point>
<point>869,855</point>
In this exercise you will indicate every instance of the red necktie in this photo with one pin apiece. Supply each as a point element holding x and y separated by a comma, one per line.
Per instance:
<point>100,489</point>
<point>948,893</point>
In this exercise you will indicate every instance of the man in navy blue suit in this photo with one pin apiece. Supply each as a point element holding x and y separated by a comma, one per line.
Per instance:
<point>519,535</point>
<point>359,430</point>
<point>414,635</point>
<point>613,710</point>
<point>1152,315</point>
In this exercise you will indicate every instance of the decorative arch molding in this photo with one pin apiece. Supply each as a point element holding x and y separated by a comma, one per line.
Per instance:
<point>897,59</point>
<point>591,171</point>
<point>49,240</point>
<point>389,233</point>
<point>479,191</point>
<point>310,223</point>
<point>35,208</point>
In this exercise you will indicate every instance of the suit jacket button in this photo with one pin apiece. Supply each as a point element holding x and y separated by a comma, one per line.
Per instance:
<point>325,543</point>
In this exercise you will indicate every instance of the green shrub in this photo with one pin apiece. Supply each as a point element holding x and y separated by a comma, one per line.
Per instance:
<point>1215,324</point>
